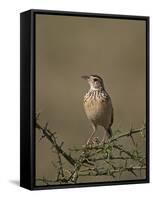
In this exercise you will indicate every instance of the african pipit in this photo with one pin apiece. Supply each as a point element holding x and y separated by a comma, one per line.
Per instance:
<point>98,106</point>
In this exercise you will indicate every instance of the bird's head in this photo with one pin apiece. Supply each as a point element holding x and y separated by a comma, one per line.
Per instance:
<point>95,82</point>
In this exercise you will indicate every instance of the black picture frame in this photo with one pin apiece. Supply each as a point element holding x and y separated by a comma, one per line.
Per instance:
<point>27,97</point>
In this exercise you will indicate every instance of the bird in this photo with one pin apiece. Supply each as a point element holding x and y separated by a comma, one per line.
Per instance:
<point>98,107</point>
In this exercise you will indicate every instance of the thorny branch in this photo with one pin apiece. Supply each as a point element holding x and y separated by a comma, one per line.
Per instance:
<point>51,137</point>
<point>87,160</point>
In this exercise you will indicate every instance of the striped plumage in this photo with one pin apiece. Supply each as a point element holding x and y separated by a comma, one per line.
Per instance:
<point>98,106</point>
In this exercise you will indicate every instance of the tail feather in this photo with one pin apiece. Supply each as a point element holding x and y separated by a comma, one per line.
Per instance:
<point>110,133</point>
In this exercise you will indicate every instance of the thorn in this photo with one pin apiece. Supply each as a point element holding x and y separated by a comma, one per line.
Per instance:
<point>126,163</point>
<point>46,125</point>
<point>61,144</point>
<point>132,140</point>
<point>43,136</point>
<point>130,132</point>
<point>132,171</point>
<point>37,116</point>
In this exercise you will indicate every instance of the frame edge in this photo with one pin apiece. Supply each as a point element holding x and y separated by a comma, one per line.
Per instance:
<point>25,108</point>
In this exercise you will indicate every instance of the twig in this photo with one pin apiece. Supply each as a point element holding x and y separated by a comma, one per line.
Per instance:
<point>88,158</point>
<point>50,136</point>
<point>108,172</point>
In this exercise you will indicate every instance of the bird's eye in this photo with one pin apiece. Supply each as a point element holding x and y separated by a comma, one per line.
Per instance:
<point>95,79</point>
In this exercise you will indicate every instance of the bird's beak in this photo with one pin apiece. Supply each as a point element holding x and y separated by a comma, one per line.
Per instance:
<point>85,77</point>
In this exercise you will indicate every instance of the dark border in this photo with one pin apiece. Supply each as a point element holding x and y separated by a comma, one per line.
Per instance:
<point>25,133</point>
<point>28,148</point>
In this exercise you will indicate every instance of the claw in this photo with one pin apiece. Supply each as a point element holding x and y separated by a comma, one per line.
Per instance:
<point>93,141</point>
<point>96,140</point>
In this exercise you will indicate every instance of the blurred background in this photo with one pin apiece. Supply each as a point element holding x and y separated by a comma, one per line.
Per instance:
<point>66,49</point>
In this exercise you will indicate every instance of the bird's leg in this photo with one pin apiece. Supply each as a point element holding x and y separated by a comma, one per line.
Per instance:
<point>92,134</point>
<point>104,137</point>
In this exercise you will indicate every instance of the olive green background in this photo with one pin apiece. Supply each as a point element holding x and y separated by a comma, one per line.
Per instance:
<point>68,47</point>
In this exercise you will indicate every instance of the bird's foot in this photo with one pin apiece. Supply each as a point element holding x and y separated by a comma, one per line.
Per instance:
<point>103,141</point>
<point>96,141</point>
<point>89,142</point>
<point>92,142</point>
